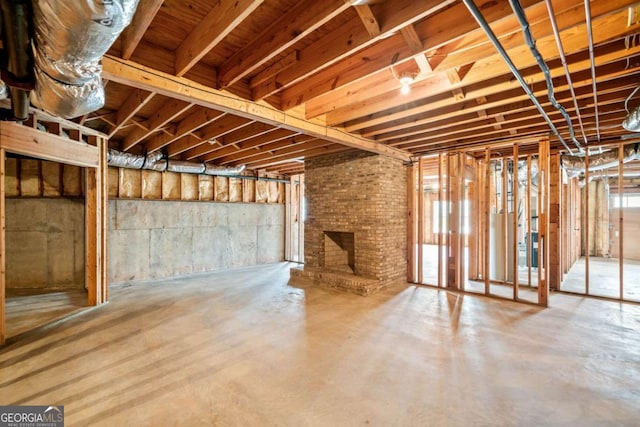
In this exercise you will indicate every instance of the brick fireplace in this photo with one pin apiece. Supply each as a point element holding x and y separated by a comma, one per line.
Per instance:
<point>356,227</point>
<point>339,251</point>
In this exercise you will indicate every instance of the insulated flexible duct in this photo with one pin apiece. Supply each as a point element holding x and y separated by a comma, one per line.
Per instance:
<point>575,165</point>
<point>70,38</point>
<point>156,161</point>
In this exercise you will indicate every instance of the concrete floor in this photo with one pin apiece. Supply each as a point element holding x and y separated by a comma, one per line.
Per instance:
<point>243,347</point>
<point>604,278</point>
<point>29,309</point>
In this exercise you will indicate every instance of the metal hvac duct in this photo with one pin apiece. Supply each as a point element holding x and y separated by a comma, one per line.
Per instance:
<point>575,165</point>
<point>157,161</point>
<point>70,38</point>
<point>16,36</point>
<point>632,121</point>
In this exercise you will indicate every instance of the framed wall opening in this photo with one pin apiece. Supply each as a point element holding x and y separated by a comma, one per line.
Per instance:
<point>71,147</point>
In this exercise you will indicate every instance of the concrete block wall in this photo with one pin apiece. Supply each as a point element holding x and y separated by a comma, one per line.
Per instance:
<point>45,243</point>
<point>147,239</point>
<point>157,239</point>
<point>365,194</point>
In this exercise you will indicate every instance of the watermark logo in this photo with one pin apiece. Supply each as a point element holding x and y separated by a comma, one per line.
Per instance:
<point>31,416</point>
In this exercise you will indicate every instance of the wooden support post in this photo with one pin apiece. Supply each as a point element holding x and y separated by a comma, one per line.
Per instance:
<point>460,258</point>
<point>514,198</point>
<point>411,224</point>
<point>585,222</point>
<point>554,221</point>
<point>621,217</point>
<point>288,243</point>
<point>528,207</point>
<point>487,219</point>
<point>3,251</point>
<point>454,221</point>
<point>543,223</point>
<point>300,219</point>
<point>96,226</point>
<point>505,220</point>
<point>472,236</point>
<point>421,214</point>
<point>104,218</point>
<point>441,202</point>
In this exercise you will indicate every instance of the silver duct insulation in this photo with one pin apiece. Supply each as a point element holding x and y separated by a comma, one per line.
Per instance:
<point>70,38</point>
<point>632,121</point>
<point>157,162</point>
<point>575,165</point>
<point>4,90</point>
<point>16,30</point>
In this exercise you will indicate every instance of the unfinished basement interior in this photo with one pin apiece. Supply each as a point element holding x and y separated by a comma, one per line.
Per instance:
<point>319,213</point>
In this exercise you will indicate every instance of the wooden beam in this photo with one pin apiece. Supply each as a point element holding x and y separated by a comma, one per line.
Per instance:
<point>498,92</point>
<point>348,39</point>
<point>239,150</point>
<point>3,248</point>
<point>131,36</point>
<point>160,118</point>
<point>130,107</point>
<point>369,20</point>
<point>288,61</point>
<point>24,140</point>
<point>132,74</point>
<point>412,38</point>
<point>301,20</point>
<point>443,34</point>
<point>217,131</point>
<point>201,117</point>
<point>488,65</point>
<point>225,16</point>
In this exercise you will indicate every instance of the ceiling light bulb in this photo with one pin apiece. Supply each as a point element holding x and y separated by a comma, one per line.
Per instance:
<point>405,89</point>
<point>406,79</point>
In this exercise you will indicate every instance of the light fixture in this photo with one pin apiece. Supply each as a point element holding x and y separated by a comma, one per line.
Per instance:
<point>405,80</point>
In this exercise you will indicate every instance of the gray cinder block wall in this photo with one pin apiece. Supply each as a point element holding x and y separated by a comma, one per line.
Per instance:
<point>45,243</point>
<point>147,239</point>
<point>157,239</point>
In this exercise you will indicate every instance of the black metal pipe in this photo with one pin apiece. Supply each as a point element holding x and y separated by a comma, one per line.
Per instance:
<point>18,67</point>
<point>531,43</point>
<point>475,12</point>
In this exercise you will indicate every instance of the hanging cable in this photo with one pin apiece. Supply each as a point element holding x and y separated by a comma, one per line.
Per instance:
<point>475,12</point>
<point>526,30</point>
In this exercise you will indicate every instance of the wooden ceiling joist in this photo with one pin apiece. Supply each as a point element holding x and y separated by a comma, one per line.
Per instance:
<point>292,27</point>
<point>347,40</point>
<point>133,74</point>
<point>131,106</point>
<point>131,36</point>
<point>225,16</point>
<point>159,119</point>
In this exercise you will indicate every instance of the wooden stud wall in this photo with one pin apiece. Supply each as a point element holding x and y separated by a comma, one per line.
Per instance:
<point>31,179</point>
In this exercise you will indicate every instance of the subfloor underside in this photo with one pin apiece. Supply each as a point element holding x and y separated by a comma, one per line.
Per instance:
<point>243,347</point>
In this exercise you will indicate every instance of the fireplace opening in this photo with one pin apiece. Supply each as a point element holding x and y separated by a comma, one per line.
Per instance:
<point>339,251</point>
